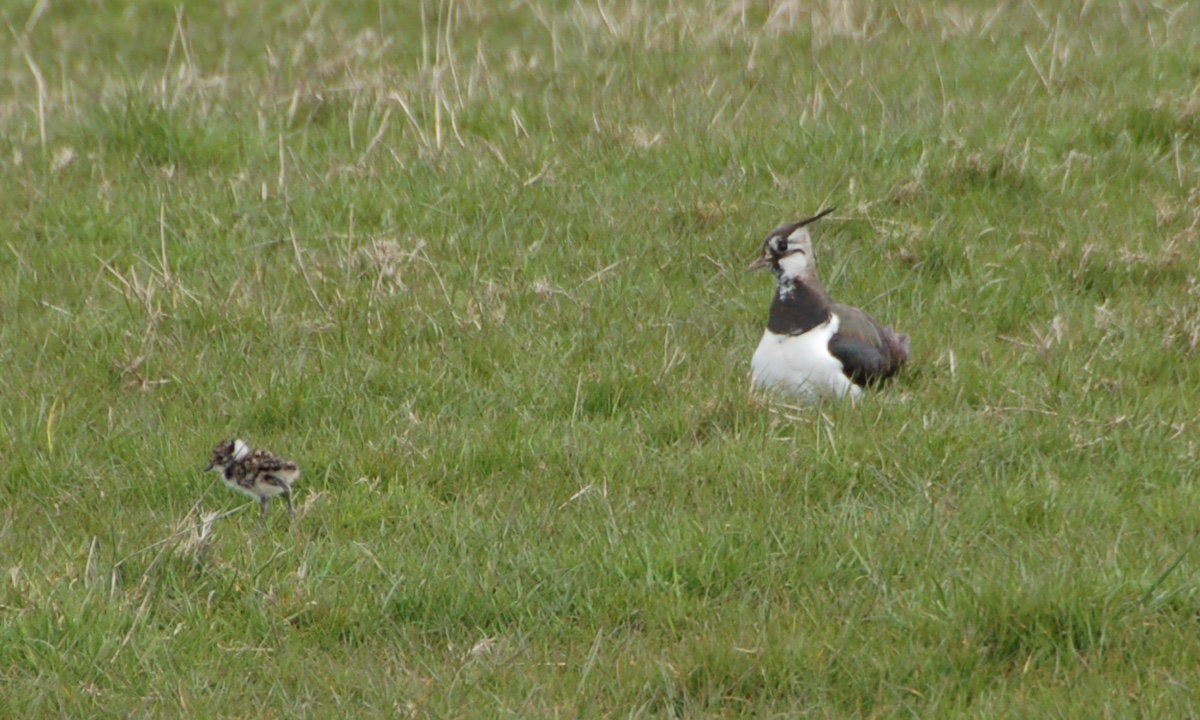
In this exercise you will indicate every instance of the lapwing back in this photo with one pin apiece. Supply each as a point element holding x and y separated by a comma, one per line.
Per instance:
<point>869,352</point>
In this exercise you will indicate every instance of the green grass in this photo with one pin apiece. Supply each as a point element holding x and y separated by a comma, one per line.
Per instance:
<point>477,267</point>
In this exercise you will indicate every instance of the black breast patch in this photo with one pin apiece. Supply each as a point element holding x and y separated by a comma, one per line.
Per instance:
<point>797,309</point>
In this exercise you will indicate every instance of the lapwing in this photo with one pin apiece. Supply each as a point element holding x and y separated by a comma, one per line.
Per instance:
<point>258,473</point>
<point>815,348</point>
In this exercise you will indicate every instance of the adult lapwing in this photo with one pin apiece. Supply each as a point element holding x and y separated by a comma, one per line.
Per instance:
<point>813,347</point>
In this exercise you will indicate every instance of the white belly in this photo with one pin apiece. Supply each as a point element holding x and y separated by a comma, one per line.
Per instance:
<point>801,365</point>
<point>260,490</point>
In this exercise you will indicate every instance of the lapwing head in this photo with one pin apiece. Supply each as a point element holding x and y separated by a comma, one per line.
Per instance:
<point>226,453</point>
<point>788,250</point>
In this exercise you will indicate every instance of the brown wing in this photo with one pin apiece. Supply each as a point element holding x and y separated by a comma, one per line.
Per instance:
<point>244,472</point>
<point>869,352</point>
<point>273,467</point>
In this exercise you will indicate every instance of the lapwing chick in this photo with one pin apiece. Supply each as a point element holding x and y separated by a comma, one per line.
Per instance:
<point>258,473</point>
<point>815,348</point>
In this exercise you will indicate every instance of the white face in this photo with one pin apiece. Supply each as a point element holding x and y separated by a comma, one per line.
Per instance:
<point>797,257</point>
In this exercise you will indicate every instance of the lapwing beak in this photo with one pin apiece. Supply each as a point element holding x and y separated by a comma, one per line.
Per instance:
<point>759,264</point>
<point>209,468</point>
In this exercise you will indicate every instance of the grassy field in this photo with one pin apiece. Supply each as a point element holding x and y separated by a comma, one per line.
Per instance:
<point>477,267</point>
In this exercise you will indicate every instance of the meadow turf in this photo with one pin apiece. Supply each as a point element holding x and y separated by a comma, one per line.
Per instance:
<point>477,267</point>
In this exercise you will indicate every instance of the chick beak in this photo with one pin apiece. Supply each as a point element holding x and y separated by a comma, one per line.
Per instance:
<point>209,468</point>
<point>759,264</point>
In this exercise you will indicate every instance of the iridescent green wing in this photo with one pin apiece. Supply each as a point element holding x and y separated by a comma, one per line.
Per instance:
<point>868,351</point>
